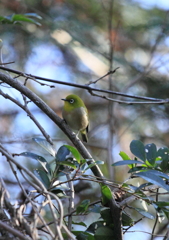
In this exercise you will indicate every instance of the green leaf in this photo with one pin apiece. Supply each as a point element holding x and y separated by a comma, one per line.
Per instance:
<point>126,162</point>
<point>45,145</point>
<point>23,18</point>
<point>152,178</point>
<point>43,177</point>
<point>151,152</point>
<point>158,173</point>
<point>93,164</point>
<point>104,233</point>
<point>40,159</point>
<point>17,18</point>
<point>106,194</point>
<point>83,207</point>
<point>144,213</point>
<point>162,204</point>
<point>142,186</point>
<point>68,164</point>
<point>74,152</point>
<point>83,235</point>
<point>93,226</point>
<point>107,216</point>
<point>125,157</point>
<point>62,154</point>
<point>79,223</point>
<point>126,220</point>
<point>163,154</point>
<point>136,169</point>
<point>137,148</point>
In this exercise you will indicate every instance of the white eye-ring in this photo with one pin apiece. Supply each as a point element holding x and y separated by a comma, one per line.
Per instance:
<point>71,100</point>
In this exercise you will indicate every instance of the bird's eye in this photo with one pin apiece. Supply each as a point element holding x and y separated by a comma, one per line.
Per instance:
<point>72,100</point>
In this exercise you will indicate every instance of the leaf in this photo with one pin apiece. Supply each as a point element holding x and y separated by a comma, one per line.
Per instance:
<point>107,217</point>
<point>139,168</point>
<point>94,164</point>
<point>126,162</point>
<point>17,18</point>
<point>126,220</point>
<point>40,159</point>
<point>79,223</point>
<point>137,148</point>
<point>23,18</point>
<point>45,145</point>
<point>154,179</point>
<point>93,226</point>
<point>151,152</point>
<point>142,186</point>
<point>104,233</point>
<point>68,164</point>
<point>106,194</point>
<point>83,235</point>
<point>144,213</point>
<point>125,157</point>
<point>163,153</point>
<point>83,206</point>
<point>43,177</point>
<point>74,152</point>
<point>62,153</point>
<point>158,173</point>
<point>162,204</point>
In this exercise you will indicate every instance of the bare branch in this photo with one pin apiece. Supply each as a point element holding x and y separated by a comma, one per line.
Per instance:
<point>158,100</point>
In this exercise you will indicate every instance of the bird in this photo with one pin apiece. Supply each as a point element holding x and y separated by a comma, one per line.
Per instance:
<point>75,115</point>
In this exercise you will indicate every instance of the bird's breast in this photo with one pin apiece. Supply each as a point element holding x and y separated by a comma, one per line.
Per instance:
<point>77,118</point>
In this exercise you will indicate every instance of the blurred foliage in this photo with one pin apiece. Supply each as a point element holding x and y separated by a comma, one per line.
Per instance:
<point>73,44</point>
<point>74,41</point>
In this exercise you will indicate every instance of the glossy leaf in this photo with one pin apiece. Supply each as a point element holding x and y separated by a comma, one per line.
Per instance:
<point>93,227</point>
<point>106,194</point>
<point>94,164</point>
<point>45,145</point>
<point>74,152</point>
<point>138,169</point>
<point>104,233</point>
<point>107,216</point>
<point>17,18</point>
<point>126,162</point>
<point>144,213</point>
<point>126,220</point>
<point>163,153</point>
<point>137,148</point>
<point>43,177</point>
<point>40,159</point>
<point>62,154</point>
<point>151,153</point>
<point>124,156</point>
<point>83,235</point>
<point>68,164</point>
<point>152,178</point>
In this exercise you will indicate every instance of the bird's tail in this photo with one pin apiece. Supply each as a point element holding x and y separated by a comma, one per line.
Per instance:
<point>84,136</point>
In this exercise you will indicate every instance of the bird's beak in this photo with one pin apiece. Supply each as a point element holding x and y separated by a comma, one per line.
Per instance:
<point>63,99</point>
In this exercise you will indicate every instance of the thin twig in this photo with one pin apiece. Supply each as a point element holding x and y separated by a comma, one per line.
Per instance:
<point>86,87</point>
<point>26,109</point>
<point>108,73</point>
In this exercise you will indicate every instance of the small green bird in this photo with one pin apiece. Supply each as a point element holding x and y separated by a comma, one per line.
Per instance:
<point>76,115</point>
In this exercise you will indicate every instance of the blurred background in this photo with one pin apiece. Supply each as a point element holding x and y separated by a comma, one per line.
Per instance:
<point>78,42</point>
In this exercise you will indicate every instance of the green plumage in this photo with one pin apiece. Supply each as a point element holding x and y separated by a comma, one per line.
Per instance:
<point>76,115</point>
